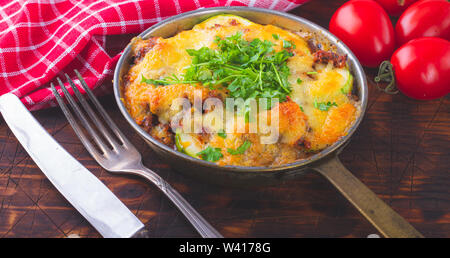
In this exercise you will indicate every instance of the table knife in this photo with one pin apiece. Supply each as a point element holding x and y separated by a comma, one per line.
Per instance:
<point>104,211</point>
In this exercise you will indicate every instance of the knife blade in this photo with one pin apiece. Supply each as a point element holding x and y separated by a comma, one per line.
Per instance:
<point>104,211</point>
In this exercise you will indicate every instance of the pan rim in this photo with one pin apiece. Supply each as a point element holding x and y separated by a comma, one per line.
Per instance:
<point>358,72</point>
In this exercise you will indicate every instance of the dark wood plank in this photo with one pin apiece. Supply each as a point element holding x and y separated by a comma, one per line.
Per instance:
<point>401,151</point>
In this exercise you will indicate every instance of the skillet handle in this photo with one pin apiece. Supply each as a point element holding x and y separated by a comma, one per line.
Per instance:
<point>383,217</point>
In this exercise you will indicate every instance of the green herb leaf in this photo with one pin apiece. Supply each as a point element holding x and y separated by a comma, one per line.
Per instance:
<point>222,133</point>
<point>275,36</point>
<point>151,81</point>
<point>324,106</point>
<point>211,154</point>
<point>166,81</point>
<point>299,81</point>
<point>241,149</point>
<point>311,72</point>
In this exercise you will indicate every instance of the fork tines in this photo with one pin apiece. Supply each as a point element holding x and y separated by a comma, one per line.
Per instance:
<point>99,140</point>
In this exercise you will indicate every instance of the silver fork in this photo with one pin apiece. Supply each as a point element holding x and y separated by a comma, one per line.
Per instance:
<point>121,156</point>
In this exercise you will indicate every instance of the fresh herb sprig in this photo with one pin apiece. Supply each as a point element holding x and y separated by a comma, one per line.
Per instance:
<point>222,133</point>
<point>166,81</point>
<point>248,69</point>
<point>211,154</point>
<point>241,149</point>
<point>324,106</point>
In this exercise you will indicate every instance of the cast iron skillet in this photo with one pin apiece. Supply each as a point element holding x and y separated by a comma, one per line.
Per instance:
<point>326,162</point>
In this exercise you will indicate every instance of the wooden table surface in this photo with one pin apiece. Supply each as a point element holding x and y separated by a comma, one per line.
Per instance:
<point>401,151</point>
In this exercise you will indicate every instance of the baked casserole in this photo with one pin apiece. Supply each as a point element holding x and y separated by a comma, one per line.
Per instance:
<point>306,87</point>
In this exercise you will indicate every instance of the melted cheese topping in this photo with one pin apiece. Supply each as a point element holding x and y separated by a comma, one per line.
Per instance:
<point>303,127</point>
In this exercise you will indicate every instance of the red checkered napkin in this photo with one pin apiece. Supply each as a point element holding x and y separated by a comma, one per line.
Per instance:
<point>42,39</point>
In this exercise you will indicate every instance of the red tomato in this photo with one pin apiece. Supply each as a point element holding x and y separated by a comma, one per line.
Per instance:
<point>365,28</point>
<point>424,19</point>
<point>422,68</point>
<point>395,7</point>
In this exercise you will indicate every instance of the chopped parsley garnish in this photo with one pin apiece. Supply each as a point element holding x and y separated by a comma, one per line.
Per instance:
<point>324,106</point>
<point>248,69</point>
<point>288,44</point>
<point>222,133</point>
<point>151,81</point>
<point>311,72</point>
<point>275,36</point>
<point>299,81</point>
<point>211,154</point>
<point>241,149</point>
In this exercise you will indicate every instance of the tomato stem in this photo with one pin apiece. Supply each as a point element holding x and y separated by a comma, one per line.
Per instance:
<point>386,74</point>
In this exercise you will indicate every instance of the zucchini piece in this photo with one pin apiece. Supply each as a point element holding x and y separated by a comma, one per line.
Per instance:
<point>221,19</point>
<point>330,85</point>
<point>348,78</point>
<point>188,144</point>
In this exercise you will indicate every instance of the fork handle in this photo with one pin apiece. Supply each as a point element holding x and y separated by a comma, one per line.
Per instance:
<point>199,223</point>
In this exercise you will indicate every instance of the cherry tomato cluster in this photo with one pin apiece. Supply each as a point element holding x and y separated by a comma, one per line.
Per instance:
<point>418,48</point>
